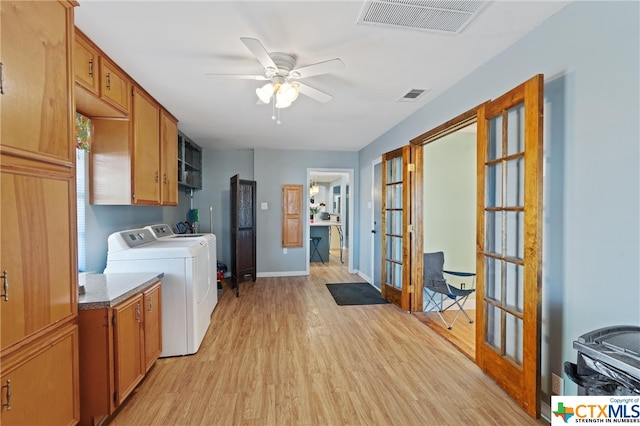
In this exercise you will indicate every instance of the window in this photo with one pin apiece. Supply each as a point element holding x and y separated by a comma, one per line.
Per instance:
<point>83,137</point>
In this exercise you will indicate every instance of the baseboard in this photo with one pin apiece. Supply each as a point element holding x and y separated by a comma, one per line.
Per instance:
<point>365,277</point>
<point>282,274</point>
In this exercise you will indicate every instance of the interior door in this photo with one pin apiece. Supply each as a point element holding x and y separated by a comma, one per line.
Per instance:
<point>377,224</point>
<point>509,222</point>
<point>395,274</point>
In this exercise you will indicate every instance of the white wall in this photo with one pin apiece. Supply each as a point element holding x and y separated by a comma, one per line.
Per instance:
<point>449,197</point>
<point>589,53</point>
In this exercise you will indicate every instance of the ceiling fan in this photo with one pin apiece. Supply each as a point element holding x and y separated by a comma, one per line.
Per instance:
<point>283,86</point>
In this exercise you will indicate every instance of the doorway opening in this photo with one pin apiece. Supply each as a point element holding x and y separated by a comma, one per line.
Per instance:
<point>449,223</point>
<point>330,218</point>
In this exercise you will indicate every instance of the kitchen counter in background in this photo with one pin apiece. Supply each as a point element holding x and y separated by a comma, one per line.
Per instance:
<point>107,290</point>
<point>321,228</point>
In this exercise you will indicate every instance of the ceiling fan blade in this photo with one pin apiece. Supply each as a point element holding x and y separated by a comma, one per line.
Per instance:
<point>314,93</point>
<point>325,67</point>
<point>237,76</point>
<point>258,50</point>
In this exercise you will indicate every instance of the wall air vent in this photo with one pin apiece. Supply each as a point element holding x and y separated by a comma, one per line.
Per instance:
<point>443,16</point>
<point>412,95</point>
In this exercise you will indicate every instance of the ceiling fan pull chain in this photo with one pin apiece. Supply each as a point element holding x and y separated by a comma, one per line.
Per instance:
<point>273,107</point>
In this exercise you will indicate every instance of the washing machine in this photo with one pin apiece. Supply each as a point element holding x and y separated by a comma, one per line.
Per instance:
<point>185,285</point>
<point>164,232</point>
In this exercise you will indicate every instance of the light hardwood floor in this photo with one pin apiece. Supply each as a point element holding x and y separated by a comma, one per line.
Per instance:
<point>284,353</point>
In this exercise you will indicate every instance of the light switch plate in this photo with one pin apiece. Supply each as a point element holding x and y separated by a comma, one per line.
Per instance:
<point>264,206</point>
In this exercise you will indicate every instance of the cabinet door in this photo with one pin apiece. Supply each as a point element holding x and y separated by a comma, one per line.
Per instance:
<point>169,159</point>
<point>86,65</point>
<point>114,87</point>
<point>146,150</point>
<point>152,325</point>
<point>37,222</point>
<point>292,219</point>
<point>37,94</point>
<point>128,344</point>
<point>41,388</point>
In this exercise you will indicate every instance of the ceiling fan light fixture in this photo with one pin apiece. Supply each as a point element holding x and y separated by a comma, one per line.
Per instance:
<point>265,92</point>
<point>285,94</point>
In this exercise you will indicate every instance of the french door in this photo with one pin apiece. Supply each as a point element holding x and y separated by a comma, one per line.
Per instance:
<point>509,225</point>
<point>396,232</point>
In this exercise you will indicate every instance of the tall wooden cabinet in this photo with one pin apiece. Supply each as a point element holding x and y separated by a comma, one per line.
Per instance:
<point>243,230</point>
<point>38,266</point>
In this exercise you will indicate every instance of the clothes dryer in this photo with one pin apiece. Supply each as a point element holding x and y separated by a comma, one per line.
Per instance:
<point>164,232</point>
<point>185,284</point>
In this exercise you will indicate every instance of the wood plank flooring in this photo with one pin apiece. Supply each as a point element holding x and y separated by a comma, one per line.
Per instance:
<point>284,353</point>
<point>462,335</point>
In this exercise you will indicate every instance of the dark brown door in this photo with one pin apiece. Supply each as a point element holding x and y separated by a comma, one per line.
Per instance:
<point>243,230</point>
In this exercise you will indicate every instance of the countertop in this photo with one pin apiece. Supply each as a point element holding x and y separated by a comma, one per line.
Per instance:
<point>107,290</point>
<point>325,223</point>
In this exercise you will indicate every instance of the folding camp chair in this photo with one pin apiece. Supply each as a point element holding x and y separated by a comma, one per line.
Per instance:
<point>439,294</point>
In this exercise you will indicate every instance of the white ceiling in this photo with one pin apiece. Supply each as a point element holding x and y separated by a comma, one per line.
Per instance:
<point>168,46</point>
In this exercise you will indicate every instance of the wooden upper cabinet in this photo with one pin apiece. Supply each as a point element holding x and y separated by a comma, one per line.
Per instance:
<point>292,217</point>
<point>134,152</point>
<point>102,88</point>
<point>87,65</point>
<point>115,86</point>
<point>169,159</point>
<point>35,60</point>
<point>146,149</point>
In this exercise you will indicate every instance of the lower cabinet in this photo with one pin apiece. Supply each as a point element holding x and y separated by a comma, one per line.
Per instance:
<point>39,386</point>
<point>118,345</point>
<point>152,319</point>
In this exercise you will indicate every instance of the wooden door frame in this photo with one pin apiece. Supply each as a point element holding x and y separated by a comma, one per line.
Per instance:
<point>417,188</point>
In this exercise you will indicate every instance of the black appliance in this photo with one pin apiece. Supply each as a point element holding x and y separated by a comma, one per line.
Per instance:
<point>608,362</point>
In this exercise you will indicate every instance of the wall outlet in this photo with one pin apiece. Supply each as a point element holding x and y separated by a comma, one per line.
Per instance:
<point>557,385</point>
<point>284,250</point>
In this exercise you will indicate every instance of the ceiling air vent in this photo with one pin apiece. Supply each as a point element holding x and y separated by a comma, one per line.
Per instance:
<point>411,95</point>
<point>444,16</point>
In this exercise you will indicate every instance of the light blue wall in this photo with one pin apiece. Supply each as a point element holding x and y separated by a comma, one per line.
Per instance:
<point>274,168</point>
<point>270,169</point>
<point>218,167</point>
<point>589,55</point>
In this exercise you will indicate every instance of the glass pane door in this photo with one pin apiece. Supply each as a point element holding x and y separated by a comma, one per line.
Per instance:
<point>395,219</point>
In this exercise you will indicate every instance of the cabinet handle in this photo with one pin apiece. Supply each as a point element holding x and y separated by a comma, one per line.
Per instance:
<point>5,285</point>
<point>164,178</point>
<point>1,80</point>
<point>157,176</point>
<point>150,300</point>
<point>138,312</point>
<point>108,81</point>
<point>8,394</point>
<point>90,67</point>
